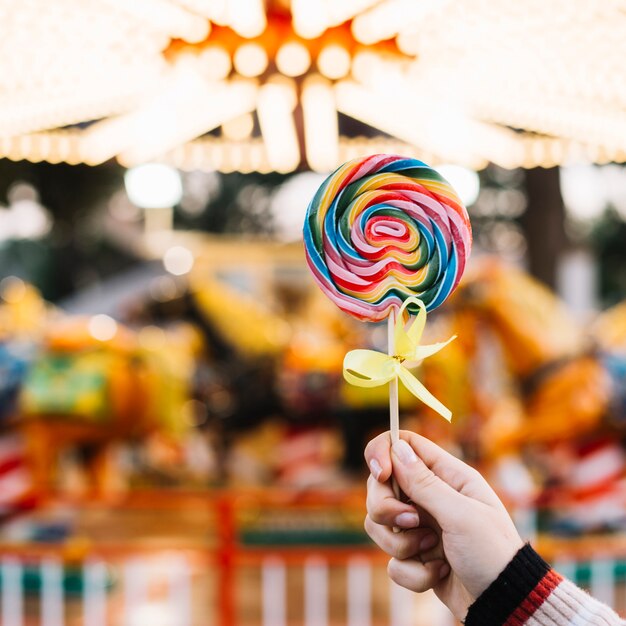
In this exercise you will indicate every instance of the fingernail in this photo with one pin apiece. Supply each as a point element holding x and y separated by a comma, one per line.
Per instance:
<point>444,571</point>
<point>404,451</point>
<point>407,520</point>
<point>375,468</point>
<point>430,541</point>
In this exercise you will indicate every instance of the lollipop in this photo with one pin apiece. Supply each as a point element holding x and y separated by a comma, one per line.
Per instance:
<point>386,234</point>
<point>382,229</point>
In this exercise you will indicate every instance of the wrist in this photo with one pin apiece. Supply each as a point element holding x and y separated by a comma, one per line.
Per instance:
<point>512,588</point>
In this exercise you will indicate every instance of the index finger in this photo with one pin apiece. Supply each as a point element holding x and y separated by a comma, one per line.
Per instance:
<point>459,475</point>
<point>378,457</point>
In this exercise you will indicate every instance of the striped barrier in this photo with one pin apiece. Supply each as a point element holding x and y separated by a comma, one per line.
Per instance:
<point>236,581</point>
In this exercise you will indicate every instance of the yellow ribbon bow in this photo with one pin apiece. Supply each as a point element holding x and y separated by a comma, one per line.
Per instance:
<point>369,368</point>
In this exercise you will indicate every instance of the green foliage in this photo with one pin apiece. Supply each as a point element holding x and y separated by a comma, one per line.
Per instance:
<point>608,242</point>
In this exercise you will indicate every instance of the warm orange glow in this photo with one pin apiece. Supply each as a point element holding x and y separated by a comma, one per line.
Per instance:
<point>157,92</point>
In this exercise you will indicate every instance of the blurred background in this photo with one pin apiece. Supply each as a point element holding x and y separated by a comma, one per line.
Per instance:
<point>177,445</point>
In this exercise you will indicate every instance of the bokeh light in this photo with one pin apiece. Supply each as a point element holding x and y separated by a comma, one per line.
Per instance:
<point>102,327</point>
<point>465,181</point>
<point>178,260</point>
<point>153,186</point>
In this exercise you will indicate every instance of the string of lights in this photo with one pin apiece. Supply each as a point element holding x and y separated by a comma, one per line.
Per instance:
<point>258,86</point>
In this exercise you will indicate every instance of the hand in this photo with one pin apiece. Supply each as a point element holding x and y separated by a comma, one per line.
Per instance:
<point>457,536</point>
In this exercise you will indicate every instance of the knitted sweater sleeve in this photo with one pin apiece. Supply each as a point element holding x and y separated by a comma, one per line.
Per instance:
<point>528,592</point>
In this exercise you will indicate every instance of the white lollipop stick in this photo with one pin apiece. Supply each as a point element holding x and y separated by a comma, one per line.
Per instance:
<point>394,412</point>
<point>394,409</point>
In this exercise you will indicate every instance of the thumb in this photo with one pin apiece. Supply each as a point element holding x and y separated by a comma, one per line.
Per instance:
<point>424,487</point>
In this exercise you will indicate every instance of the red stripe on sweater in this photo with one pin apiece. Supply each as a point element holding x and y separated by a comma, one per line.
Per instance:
<point>534,599</point>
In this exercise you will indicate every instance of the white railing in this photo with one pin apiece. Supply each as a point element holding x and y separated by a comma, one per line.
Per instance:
<point>174,605</point>
<point>131,602</point>
<point>334,586</point>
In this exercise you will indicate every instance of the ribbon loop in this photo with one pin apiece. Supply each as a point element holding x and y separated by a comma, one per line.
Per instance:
<point>370,368</point>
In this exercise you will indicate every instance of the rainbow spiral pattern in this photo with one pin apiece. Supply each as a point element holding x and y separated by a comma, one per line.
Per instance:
<point>383,228</point>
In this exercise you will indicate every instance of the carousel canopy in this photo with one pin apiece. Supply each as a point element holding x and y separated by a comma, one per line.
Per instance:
<point>255,85</point>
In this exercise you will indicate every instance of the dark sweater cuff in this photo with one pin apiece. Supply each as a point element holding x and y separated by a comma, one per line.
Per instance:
<point>516,582</point>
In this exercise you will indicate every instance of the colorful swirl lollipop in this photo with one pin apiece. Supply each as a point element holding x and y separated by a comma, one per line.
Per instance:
<point>383,229</point>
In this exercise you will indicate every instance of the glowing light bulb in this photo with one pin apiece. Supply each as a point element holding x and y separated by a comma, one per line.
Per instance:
<point>153,186</point>
<point>250,60</point>
<point>334,61</point>
<point>277,100</point>
<point>214,62</point>
<point>178,260</point>
<point>293,59</point>
<point>247,17</point>
<point>102,327</point>
<point>463,180</point>
<point>321,126</point>
<point>310,19</point>
<point>364,63</point>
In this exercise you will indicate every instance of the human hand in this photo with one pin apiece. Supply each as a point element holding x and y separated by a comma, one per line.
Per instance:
<point>457,536</point>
